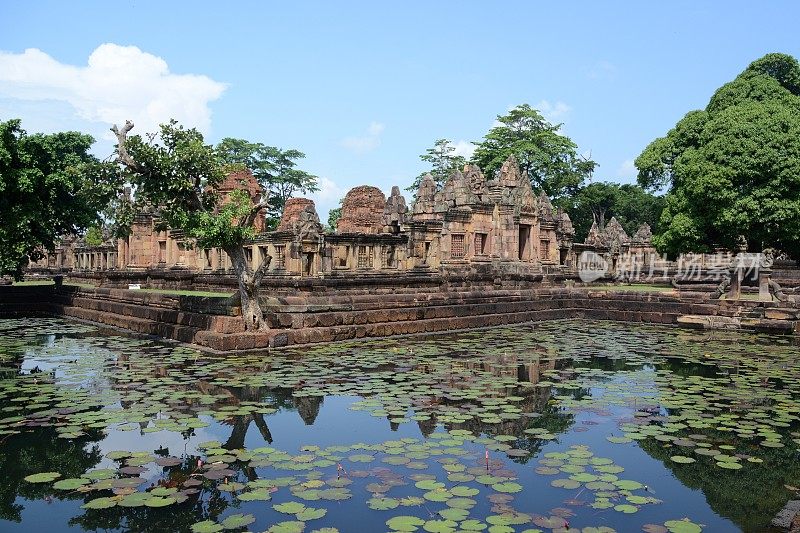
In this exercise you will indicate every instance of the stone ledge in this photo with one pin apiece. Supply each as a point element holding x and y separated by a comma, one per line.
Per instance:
<point>785,517</point>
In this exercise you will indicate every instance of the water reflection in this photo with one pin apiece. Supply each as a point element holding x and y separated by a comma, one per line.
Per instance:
<point>521,392</point>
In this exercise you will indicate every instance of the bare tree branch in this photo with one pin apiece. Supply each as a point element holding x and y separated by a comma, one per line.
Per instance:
<point>122,151</point>
<point>250,219</point>
<point>262,270</point>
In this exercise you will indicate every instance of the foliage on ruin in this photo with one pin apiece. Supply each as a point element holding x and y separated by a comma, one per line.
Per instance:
<point>274,168</point>
<point>50,186</point>
<point>334,215</point>
<point>550,159</point>
<point>732,170</point>
<point>442,162</point>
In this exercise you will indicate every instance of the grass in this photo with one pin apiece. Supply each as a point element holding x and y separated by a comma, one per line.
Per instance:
<point>42,282</point>
<point>38,282</point>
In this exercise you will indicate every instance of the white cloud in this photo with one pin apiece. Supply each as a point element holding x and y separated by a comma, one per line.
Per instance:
<point>365,143</point>
<point>118,83</point>
<point>329,192</point>
<point>327,197</point>
<point>375,128</point>
<point>627,170</point>
<point>463,148</point>
<point>553,111</point>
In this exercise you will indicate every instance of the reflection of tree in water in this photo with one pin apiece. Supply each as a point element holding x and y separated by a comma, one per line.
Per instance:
<point>38,448</point>
<point>207,504</point>
<point>306,406</point>
<point>751,496</point>
<point>41,450</point>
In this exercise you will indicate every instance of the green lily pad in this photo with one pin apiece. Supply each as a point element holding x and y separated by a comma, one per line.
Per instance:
<point>42,477</point>
<point>100,503</point>
<point>404,523</point>
<point>206,526</point>
<point>70,483</point>
<point>682,526</point>
<point>289,507</point>
<point>236,521</point>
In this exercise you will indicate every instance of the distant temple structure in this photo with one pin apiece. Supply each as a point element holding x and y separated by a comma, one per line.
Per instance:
<point>471,220</point>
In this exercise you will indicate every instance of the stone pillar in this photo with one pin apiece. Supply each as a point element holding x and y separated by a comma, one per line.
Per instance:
<point>735,291</point>
<point>764,275</point>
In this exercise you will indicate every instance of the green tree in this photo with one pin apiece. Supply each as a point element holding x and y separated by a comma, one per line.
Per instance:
<point>443,162</point>
<point>94,236</point>
<point>732,170</point>
<point>598,202</point>
<point>180,175</point>
<point>635,206</point>
<point>550,159</point>
<point>275,169</point>
<point>50,186</point>
<point>334,215</point>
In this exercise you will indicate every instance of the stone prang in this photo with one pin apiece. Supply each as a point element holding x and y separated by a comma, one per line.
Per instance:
<point>395,212</point>
<point>362,211</point>
<point>291,212</point>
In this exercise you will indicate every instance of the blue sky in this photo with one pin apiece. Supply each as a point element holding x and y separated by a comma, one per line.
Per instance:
<point>363,88</point>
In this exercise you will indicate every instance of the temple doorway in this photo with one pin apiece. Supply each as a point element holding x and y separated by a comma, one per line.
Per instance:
<point>524,241</point>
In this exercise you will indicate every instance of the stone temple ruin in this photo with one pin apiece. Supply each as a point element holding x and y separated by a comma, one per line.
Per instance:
<point>497,225</point>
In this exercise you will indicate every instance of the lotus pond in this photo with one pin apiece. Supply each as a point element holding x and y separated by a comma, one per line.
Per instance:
<point>564,426</point>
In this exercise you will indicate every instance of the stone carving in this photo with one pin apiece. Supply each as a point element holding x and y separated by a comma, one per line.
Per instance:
<point>395,212</point>
<point>723,286</point>
<point>545,208</point>
<point>307,226</point>
<point>426,194</point>
<point>643,234</point>
<point>595,236</point>
<point>509,175</point>
<point>455,193</point>
<point>477,182</point>
<point>526,198</point>
<point>615,236</point>
<point>362,211</point>
<point>565,229</point>
<point>767,259</point>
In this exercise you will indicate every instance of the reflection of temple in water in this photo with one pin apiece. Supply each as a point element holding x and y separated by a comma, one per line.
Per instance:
<point>308,408</point>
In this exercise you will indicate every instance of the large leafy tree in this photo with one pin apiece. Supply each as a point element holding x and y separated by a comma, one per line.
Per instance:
<point>732,170</point>
<point>442,162</point>
<point>551,160</point>
<point>275,169</point>
<point>180,175</point>
<point>50,186</point>
<point>597,202</point>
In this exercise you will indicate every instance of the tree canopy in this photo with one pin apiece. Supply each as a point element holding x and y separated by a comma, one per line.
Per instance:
<point>631,205</point>
<point>50,186</point>
<point>275,169</point>
<point>443,162</point>
<point>550,159</point>
<point>732,170</point>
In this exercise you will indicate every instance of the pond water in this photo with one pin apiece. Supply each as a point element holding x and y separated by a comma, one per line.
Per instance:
<point>564,426</point>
